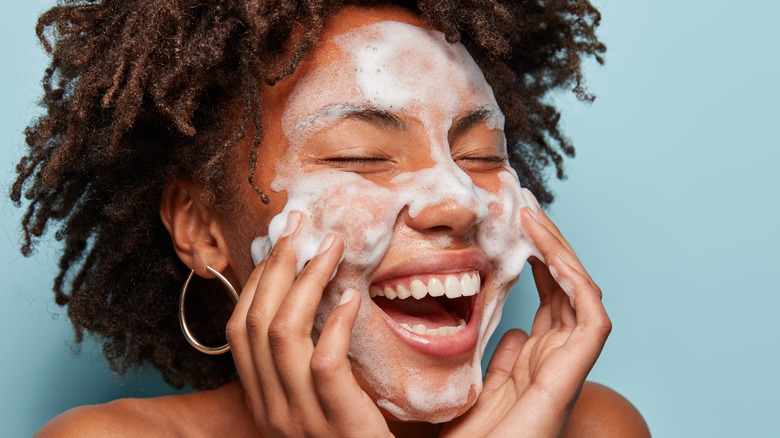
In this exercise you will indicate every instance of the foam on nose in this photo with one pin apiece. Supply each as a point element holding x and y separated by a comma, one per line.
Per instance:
<point>439,184</point>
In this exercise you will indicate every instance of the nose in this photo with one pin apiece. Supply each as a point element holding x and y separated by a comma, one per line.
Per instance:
<point>445,199</point>
<point>450,216</point>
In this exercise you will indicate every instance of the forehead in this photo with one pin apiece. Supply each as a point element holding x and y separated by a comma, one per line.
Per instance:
<point>384,60</point>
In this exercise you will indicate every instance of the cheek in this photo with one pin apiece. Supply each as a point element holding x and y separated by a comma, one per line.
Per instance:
<point>501,235</point>
<point>359,210</point>
<point>364,214</point>
<point>490,182</point>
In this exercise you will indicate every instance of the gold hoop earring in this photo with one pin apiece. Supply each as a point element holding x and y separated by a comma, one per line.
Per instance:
<point>182,320</point>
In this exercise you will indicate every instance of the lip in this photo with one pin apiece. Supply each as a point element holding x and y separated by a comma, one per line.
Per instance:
<point>437,263</point>
<point>440,346</point>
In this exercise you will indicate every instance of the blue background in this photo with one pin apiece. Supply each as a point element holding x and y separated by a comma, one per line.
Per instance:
<point>671,203</point>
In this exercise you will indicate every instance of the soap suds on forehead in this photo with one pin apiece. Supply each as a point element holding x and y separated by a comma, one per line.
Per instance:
<point>377,54</point>
<point>413,74</point>
<point>394,66</point>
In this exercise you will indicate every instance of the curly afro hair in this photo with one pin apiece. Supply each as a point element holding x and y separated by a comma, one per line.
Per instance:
<point>142,91</point>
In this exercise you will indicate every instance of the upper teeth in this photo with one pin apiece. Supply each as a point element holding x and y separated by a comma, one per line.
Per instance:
<point>452,287</point>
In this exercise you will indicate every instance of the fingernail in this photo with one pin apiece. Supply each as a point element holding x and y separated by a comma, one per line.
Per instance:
<point>293,220</point>
<point>347,296</point>
<point>327,241</point>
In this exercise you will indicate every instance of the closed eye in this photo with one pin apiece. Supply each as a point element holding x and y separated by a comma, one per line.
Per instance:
<point>356,160</point>
<point>481,163</point>
<point>359,164</point>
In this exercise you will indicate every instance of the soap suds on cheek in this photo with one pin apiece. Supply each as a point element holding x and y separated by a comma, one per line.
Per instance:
<point>501,235</point>
<point>332,201</point>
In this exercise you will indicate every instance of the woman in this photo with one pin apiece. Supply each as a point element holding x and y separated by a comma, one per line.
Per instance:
<point>346,168</point>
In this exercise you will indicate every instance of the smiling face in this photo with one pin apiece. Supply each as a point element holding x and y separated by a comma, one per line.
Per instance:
<point>392,138</point>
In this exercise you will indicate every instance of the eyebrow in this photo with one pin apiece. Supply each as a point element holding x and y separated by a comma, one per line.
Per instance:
<point>337,112</point>
<point>380,118</point>
<point>479,115</point>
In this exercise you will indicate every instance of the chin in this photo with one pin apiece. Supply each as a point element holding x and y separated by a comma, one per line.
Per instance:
<point>428,414</point>
<point>432,396</point>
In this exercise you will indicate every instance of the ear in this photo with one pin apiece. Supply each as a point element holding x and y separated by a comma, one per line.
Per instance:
<point>196,234</point>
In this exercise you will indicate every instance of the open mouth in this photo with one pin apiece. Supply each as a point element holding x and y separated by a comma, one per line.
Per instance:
<point>431,305</point>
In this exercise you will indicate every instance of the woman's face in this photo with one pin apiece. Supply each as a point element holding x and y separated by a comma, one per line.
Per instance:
<point>392,138</point>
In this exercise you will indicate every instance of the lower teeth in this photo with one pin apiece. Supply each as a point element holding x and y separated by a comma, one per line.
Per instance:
<point>441,331</point>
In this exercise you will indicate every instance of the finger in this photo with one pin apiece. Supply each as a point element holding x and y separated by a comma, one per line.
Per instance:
<point>344,402</point>
<point>545,220</point>
<point>544,234</point>
<point>238,340</point>
<point>550,244</point>
<point>290,332</point>
<point>557,298</point>
<point>504,358</point>
<point>568,315</point>
<point>338,391</point>
<point>592,323</point>
<point>279,273</point>
<point>274,283</point>
<point>545,284</point>
<point>550,278</point>
<point>295,315</point>
<point>556,314</point>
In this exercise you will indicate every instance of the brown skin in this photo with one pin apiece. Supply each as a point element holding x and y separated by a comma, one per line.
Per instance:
<point>201,237</point>
<point>599,412</point>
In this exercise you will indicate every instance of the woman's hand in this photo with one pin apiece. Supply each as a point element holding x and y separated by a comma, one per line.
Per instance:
<point>293,387</point>
<point>533,381</point>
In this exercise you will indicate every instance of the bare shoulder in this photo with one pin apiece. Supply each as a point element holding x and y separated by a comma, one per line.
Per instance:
<point>602,412</point>
<point>119,418</point>
<point>205,413</point>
